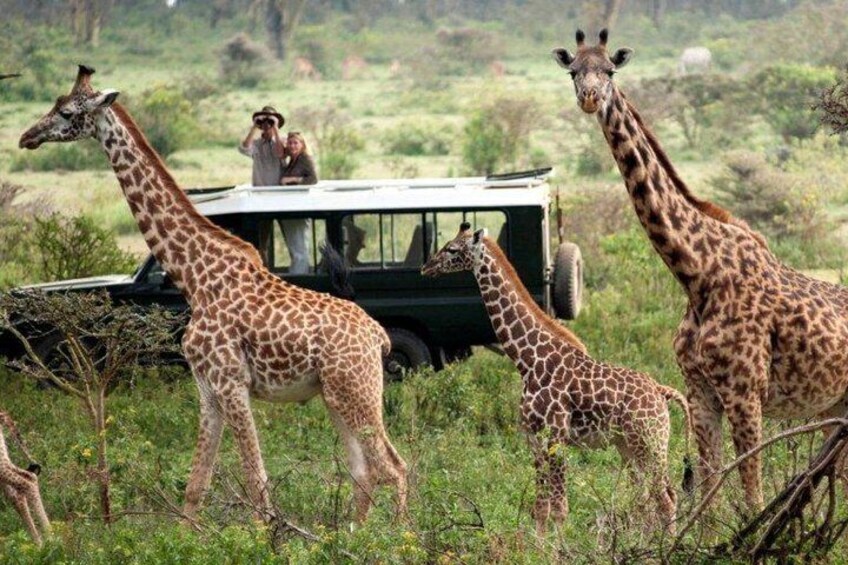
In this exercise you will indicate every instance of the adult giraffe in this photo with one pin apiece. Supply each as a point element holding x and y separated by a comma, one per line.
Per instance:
<point>758,338</point>
<point>251,334</point>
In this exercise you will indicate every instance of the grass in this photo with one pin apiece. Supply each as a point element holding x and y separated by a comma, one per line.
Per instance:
<point>457,429</point>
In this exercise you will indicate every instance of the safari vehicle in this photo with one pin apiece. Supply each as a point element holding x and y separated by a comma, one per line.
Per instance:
<point>385,230</point>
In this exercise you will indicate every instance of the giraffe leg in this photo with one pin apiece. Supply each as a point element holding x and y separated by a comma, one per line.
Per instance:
<point>208,442</point>
<point>706,412</point>
<point>363,486</point>
<point>357,410</point>
<point>557,466</point>
<point>542,506</point>
<point>236,408</point>
<point>33,496</point>
<point>18,499</point>
<point>746,423</point>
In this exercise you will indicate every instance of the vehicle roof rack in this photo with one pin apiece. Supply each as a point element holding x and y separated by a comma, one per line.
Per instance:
<point>532,173</point>
<point>209,190</point>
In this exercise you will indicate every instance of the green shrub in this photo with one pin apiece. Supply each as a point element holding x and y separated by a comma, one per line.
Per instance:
<point>787,207</point>
<point>788,93</point>
<point>37,52</point>
<point>76,247</point>
<point>78,156</point>
<point>167,118</point>
<point>498,135</point>
<point>244,62</point>
<point>414,139</point>
<point>594,159</point>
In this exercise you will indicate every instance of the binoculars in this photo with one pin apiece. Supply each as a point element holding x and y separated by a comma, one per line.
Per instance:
<point>264,122</point>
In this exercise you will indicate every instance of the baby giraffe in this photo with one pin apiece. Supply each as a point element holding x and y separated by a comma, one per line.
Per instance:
<point>21,486</point>
<point>568,398</point>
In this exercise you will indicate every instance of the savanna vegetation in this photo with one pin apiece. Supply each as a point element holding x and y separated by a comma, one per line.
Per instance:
<point>449,88</point>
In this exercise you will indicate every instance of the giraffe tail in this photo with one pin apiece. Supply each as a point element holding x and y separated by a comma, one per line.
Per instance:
<point>339,273</point>
<point>673,395</point>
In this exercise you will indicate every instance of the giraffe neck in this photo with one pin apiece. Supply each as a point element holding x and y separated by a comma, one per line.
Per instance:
<point>684,230</point>
<point>519,323</point>
<point>184,241</point>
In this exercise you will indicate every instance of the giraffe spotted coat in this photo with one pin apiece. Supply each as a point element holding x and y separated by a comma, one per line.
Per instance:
<point>20,486</point>
<point>758,338</point>
<point>567,398</point>
<point>251,335</point>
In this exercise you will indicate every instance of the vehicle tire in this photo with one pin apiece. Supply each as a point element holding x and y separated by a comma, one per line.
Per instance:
<point>454,355</point>
<point>568,281</point>
<point>408,352</point>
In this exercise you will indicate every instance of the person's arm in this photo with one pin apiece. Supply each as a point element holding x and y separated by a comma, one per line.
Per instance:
<point>246,147</point>
<point>279,146</point>
<point>301,172</point>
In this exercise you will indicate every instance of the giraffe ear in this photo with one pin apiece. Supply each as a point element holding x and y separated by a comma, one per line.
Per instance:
<point>480,234</point>
<point>103,99</point>
<point>562,57</point>
<point>621,57</point>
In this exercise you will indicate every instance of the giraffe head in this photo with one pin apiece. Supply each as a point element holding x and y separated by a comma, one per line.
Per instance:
<point>592,70</point>
<point>74,116</point>
<point>457,255</point>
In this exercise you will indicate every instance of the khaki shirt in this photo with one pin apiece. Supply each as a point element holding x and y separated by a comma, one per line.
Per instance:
<point>267,166</point>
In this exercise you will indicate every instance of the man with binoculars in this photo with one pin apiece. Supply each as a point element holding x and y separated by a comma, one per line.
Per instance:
<point>267,151</point>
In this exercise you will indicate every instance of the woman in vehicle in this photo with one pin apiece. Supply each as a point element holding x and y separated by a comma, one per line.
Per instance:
<point>300,168</point>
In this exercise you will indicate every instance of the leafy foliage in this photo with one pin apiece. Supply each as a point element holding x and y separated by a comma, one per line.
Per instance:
<point>93,341</point>
<point>337,142</point>
<point>78,156</point>
<point>415,139</point>
<point>788,94</point>
<point>167,118</point>
<point>77,247</point>
<point>244,62</point>
<point>498,134</point>
<point>833,105</point>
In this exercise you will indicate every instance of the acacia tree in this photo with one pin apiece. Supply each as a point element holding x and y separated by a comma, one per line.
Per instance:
<point>81,344</point>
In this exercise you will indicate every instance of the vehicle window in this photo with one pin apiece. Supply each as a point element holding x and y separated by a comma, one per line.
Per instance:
<point>292,245</point>
<point>387,241</point>
<point>447,225</point>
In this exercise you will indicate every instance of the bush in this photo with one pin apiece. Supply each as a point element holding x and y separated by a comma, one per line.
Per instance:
<point>18,249</point>
<point>788,93</point>
<point>244,62</point>
<point>710,109</point>
<point>499,134</point>
<point>23,49</point>
<point>72,248</point>
<point>336,142</point>
<point>167,118</point>
<point>414,139</point>
<point>79,156</point>
<point>785,206</point>
<point>466,49</point>
<point>594,159</point>
<point>833,105</point>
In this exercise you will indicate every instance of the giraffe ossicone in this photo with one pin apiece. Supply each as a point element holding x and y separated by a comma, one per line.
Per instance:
<point>251,334</point>
<point>568,398</point>
<point>758,338</point>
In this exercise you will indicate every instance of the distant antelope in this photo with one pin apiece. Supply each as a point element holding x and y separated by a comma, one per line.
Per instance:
<point>303,69</point>
<point>21,486</point>
<point>354,67</point>
<point>497,68</point>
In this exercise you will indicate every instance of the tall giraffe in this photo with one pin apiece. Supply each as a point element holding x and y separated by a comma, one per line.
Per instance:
<point>758,338</point>
<point>20,486</point>
<point>568,398</point>
<point>250,334</point>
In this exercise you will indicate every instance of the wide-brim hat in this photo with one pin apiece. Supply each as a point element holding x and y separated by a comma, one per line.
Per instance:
<point>270,111</point>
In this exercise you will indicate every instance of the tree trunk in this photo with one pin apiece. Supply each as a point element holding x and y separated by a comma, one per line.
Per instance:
<point>102,471</point>
<point>274,26</point>
<point>611,13</point>
<point>657,8</point>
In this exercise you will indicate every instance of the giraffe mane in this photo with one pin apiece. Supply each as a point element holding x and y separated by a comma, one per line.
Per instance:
<point>509,271</point>
<point>704,206</point>
<point>155,160</point>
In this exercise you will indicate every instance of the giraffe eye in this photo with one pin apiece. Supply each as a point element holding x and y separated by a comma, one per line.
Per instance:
<point>610,73</point>
<point>65,114</point>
